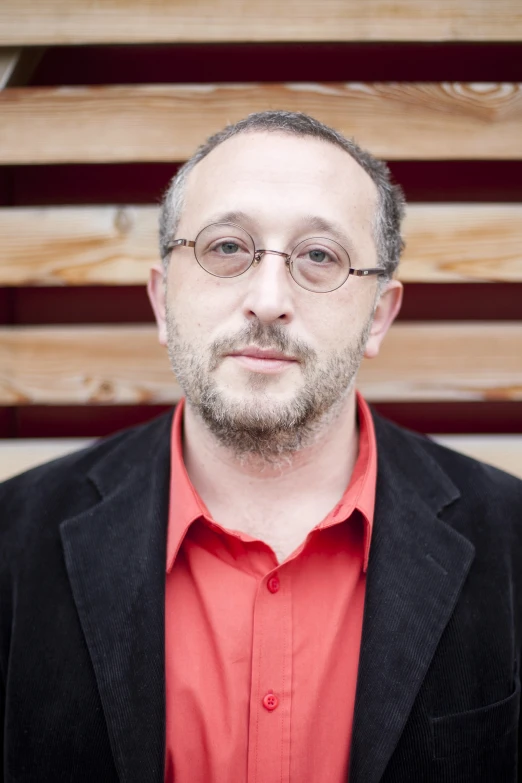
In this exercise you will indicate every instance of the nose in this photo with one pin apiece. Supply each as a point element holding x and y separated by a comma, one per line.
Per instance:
<point>269,296</point>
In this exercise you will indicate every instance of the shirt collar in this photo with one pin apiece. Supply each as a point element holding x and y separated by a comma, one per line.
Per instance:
<point>185,505</point>
<point>360,492</point>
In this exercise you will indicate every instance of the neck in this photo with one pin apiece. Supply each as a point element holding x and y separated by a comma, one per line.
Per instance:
<point>244,494</point>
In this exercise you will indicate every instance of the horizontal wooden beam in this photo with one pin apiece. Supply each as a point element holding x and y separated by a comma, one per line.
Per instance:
<point>77,245</point>
<point>19,455</point>
<point>167,122</point>
<point>445,243</point>
<point>112,21</point>
<point>125,364</point>
<point>453,243</point>
<point>501,451</point>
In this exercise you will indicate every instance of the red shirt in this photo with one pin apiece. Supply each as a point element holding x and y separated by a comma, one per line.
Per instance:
<point>262,658</point>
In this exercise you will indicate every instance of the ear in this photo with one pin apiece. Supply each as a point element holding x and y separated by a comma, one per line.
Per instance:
<point>156,289</point>
<point>387,309</point>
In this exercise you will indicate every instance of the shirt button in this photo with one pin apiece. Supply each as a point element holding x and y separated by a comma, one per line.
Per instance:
<point>273,584</point>
<point>270,701</point>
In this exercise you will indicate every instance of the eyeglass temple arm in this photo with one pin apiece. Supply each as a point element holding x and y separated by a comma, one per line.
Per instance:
<point>177,242</point>
<point>365,272</point>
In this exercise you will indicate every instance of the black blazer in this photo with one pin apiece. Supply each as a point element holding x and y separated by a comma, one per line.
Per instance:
<point>82,579</point>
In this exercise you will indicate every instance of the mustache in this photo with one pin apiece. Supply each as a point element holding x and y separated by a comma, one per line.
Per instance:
<point>270,336</point>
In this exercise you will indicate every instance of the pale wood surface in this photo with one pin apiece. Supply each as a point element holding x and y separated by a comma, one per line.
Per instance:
<point>125,364</point>
<point>452,243</point>
<point>104,364</point>
<point>167,122</point>
<point>78,245</point>
<point>105,21</point>
<point>502,451</point>
<point>445,243</point>
<point>19,455</point>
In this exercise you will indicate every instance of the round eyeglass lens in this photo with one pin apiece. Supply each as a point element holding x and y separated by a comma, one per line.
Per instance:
<point>224,249</point>
<point>320,264</point>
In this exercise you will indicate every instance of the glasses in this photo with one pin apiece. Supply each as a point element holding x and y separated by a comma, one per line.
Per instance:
<point>317,264</point>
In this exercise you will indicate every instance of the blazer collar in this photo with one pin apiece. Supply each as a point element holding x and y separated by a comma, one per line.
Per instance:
<point>115,554</point>
<point>417,567</point>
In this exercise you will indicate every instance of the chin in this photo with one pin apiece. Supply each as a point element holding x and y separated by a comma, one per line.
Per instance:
<point>261,393</point>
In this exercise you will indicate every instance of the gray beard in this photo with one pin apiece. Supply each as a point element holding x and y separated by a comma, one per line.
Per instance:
<point>256,430</point>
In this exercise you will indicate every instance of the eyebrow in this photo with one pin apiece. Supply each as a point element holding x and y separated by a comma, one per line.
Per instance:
<point>230,217</point>
<point>331,228</point>
<point>310,223</point>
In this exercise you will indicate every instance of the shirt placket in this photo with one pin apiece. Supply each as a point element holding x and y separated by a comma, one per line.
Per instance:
<point>271,686</point>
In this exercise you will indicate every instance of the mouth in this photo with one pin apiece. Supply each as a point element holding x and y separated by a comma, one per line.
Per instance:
<point>262,359</point>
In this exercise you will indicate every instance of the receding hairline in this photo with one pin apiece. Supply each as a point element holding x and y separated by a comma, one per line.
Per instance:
<point>286,133</point>
<point>372,192</point>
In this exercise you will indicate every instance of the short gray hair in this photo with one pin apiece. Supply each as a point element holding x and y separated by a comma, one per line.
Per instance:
<point>390,205</point>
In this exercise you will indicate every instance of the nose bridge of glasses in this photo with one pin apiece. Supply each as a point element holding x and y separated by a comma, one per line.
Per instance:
<point>258,255</point>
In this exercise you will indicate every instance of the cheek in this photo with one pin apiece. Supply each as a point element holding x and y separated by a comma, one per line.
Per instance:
<point>337,324</point>
<point>200,307</point>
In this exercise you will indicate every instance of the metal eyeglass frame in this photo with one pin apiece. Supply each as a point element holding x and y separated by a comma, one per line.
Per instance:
<point>258,254</point>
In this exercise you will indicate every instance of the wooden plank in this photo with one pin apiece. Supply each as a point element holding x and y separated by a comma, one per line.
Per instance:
<point>125,364</point>
<point>502,451</point>
<point>64,365</point>
<point>19,455</point>
<point>78,246</point>
<point>167,122</point>
<point>111,21</point>
<point>445,243</point>
<point>452,243</point>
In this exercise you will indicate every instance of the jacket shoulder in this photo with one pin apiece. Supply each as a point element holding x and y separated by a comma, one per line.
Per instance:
<point>62,484</point>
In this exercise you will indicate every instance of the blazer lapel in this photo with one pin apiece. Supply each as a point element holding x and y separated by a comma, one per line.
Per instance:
<point>115,555</point>
<point>416,570</point>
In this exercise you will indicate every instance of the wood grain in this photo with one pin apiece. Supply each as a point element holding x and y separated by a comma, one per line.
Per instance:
<point>451,243</point>
<point>125,364</point>
<point>167,122</point>
<point>501,451</point>
<point>445,243</point>
<point>114,21</point>
<point>78,245</point>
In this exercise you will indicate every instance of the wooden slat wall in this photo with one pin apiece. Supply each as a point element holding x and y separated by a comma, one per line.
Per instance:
<point>88,248</point>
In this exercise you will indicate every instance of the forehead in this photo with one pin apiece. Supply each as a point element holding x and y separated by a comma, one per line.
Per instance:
<point>280,175</point>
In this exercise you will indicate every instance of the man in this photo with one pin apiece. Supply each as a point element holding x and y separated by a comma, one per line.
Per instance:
<point>271,584</point>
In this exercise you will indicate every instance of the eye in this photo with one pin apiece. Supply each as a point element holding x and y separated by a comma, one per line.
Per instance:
<point>318,256</point>
<point>227,248</point>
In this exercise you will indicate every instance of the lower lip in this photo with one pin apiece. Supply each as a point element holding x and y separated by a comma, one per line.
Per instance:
<point>263,365</point>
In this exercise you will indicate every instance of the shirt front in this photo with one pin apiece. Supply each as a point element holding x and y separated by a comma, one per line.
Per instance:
<point>261,658</point>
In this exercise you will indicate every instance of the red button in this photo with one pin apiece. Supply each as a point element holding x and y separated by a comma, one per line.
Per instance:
<point>273,584</point>
<point>270,701</point>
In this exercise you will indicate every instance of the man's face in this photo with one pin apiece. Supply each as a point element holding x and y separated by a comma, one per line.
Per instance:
<point>263,360</point>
